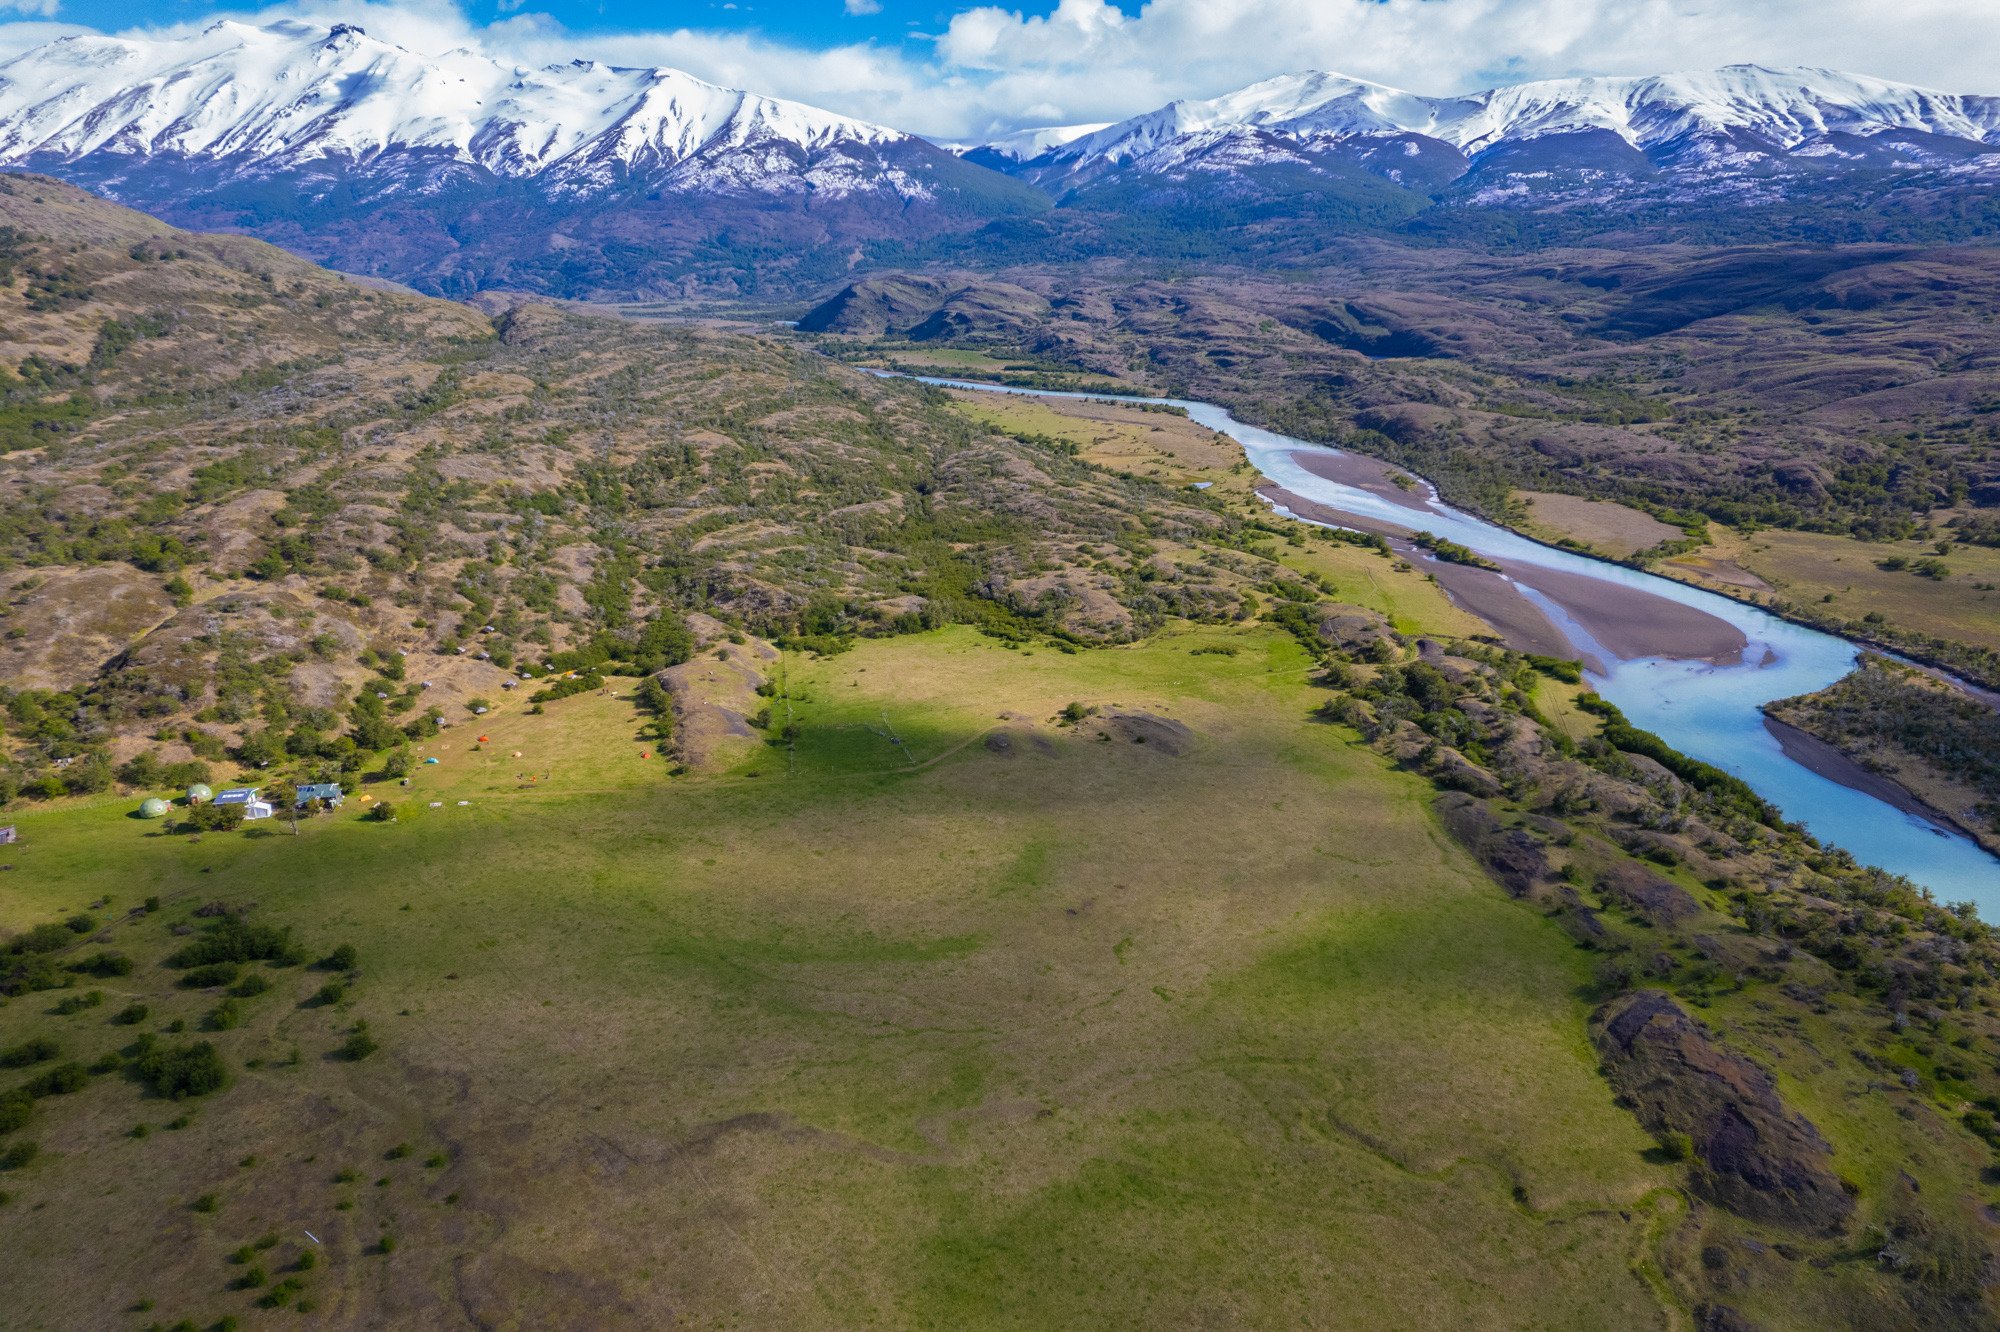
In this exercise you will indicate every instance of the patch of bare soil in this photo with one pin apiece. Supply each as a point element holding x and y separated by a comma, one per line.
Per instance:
<point>1163,735</point>
<point>62,625</point>
<point>1018,739</point>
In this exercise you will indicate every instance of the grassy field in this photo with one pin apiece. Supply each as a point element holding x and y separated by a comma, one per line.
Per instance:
<point>1843,576</point>
<point>947,1015</point>
<point>1615,529</point>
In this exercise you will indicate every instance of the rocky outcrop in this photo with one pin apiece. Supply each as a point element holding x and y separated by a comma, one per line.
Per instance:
<point>1513,856</point>
<point>1752,1154</point>
<point>1657,901</point>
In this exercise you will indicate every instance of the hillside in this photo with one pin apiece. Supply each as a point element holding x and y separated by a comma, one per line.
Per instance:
<point>819,852</point>
<point>376,474</point>
<point>1845,392</point>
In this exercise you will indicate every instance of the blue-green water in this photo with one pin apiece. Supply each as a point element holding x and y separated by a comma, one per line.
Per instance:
<point>1710,712</point>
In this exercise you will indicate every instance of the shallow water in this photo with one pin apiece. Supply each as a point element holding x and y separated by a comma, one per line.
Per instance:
<point>1710,712</point>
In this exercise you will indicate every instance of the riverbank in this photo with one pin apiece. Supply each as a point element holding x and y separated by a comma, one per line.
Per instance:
<point>1835,764</point>
<point>1627,624</point>
<point>1703,696</point>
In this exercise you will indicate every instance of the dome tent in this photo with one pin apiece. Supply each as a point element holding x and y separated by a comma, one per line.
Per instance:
<point>153,808</point>
<point>198,793</point>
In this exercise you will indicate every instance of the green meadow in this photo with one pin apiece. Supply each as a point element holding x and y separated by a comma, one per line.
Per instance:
<point>943,1014</point>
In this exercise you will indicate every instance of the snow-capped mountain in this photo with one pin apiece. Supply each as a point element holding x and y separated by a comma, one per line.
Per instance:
<point>1025,145</point>
<point>289,94</point>
<point>1743,111</point>
<point>461,171</point>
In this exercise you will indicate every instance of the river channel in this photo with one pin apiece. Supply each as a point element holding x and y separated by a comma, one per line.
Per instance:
<point>1689,665</point>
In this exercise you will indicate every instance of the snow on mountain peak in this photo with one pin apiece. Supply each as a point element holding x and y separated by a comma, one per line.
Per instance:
<point>290,92</point>
<point>1782,107</point>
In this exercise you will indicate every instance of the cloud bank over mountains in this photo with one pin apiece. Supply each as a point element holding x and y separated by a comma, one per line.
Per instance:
<point>991,68</point>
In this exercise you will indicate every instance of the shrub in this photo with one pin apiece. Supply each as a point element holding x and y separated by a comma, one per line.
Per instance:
<point>384,812</point>
<point>308,1260</point>
<point>18,1155</point>
<point>185,1070</point>
<point>43,938</point>
<point>209,976</point>
<point>34,1051</point>
<point>76,1003</point>
<point>278,1296</point>
<point>131,1015</point>
<point>104,965</point>
<point>252,1277</point>
<point>250,985</point>
<point>387,1244</point>
<point>437,1160</point>
<point>342,958</point>
<point>397,1153</point>
<point>223,1017</point>
<point>81,923</point>
<point>59,1081</point>
<point>16,1109</point>
<point>327,995</point>
<point>359,1044</point>
<point>231,939</point>
<point>207,1204</point>
<point>1676,1146</point>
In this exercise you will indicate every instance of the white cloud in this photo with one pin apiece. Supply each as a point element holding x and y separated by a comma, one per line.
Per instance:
<point>33,8</point>
<point>1096,62</point>
<point>992,69</point>
<point>861,7</point>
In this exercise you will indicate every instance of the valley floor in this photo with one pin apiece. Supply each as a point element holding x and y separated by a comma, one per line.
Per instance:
<point>948,1015</point>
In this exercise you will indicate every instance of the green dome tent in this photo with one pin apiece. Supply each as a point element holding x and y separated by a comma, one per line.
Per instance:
<point>198,793</point>
<point>153,808</point>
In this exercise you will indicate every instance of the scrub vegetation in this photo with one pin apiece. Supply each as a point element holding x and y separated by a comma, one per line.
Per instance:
<point>819,852</point>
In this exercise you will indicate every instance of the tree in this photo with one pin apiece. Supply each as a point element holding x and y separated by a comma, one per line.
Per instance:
<point>285,796</point>
<point>213,818</point>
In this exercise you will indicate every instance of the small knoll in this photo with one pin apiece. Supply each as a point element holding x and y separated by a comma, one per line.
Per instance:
<point>1162,734</point>
<point>715,696</point>
<point>1753,1154</point>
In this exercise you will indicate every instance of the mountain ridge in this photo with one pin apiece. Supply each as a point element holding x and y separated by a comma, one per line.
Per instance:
<point>1783,108</point>
<point>460,172</point>
<point>292,93</point>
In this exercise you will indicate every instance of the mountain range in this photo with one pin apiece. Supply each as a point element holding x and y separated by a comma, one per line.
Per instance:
<point>460,172</point>
<point>1728,117</point>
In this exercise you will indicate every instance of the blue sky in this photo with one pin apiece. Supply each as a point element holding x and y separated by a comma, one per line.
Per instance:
<point>802,22</point>
<point>965,69</point>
